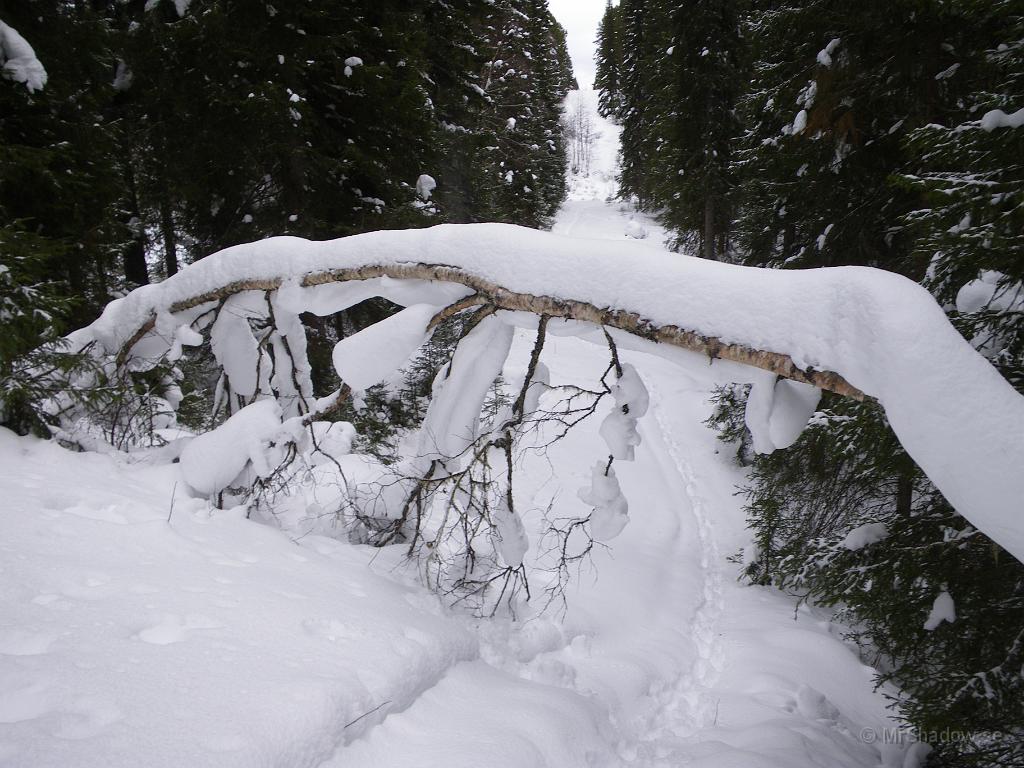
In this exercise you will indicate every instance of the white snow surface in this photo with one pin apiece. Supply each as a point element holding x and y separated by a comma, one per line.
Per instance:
<point>19,60</point>
<point>212,640</point>
<point>592,210</point>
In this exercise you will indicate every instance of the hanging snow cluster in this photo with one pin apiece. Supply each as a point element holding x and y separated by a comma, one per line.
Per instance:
<point>778,410</point>
<point>611,510</point>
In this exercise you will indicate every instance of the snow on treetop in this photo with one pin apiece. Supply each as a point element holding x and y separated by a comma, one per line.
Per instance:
<point>953,412</point>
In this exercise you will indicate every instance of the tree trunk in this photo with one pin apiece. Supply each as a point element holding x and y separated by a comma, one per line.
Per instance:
<point>788,238</point>
<point>134,255</point>
<point>709,228</point>
<point>904,495</point>
<point>169,236</point>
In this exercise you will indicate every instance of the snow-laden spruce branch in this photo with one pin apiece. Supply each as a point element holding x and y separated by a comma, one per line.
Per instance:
<point>856,331</point>
<point>18,61</point>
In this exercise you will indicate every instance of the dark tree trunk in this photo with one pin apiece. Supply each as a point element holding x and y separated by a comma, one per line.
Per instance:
<point>904,495</point>
<point>169,236</point>
<point>709,228</point>
<point>134,255</point>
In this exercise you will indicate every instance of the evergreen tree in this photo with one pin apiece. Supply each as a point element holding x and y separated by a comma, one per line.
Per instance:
<point>526,83</point>
<point>705,61</point>
<point>818,180</point>
<point>456,64</point>
<point>608,60</point>
<point>58,247</point>
<point>646,94</point>
<point>970,172</point>
<point>58,184</point>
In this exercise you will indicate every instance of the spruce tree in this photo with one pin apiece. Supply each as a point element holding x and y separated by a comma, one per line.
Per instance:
<point>58,184</point>
<point>705,62</point>
<point>646,96</point>
<point>969,169</point>
<point>861,149</point>
<point>608,61</point>
<point>526,82</point>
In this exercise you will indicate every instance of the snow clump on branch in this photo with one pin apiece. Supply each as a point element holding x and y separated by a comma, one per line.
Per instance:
<point>631,402</point>
<point>19,60</point>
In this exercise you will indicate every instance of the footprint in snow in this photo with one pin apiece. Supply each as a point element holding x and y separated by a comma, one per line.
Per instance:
<point>105,514</point>
<point>87,717</point>
<point>21,703</point>
<point>92,586</point>
<point>16,642</point>
<point>175,629</point>
<point>226,741</point>
<point>332,629</point>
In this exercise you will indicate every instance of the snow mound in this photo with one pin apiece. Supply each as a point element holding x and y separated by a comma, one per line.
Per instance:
<point>636,230</point>
<point>864,535</point>
<point>425,186</point>
<point>212,461</point>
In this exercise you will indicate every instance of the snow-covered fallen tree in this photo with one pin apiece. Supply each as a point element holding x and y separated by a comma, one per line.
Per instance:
<point>855,331</point>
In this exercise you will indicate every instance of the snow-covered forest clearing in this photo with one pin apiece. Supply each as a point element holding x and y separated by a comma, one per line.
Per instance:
<point>516,426</point>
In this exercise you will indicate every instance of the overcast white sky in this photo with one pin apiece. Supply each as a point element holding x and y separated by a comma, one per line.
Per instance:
<point>580,19</point>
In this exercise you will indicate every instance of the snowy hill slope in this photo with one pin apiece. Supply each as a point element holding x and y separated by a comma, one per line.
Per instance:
<point>138,626</point>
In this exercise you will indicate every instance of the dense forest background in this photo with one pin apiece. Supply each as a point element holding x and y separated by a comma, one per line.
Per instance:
<point>776,134</point>
<point>168,130</point>
<point>818,133</point>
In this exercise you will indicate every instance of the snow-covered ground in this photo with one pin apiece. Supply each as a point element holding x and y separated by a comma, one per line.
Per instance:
<point>591,210</point>
<point>139,627</point>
